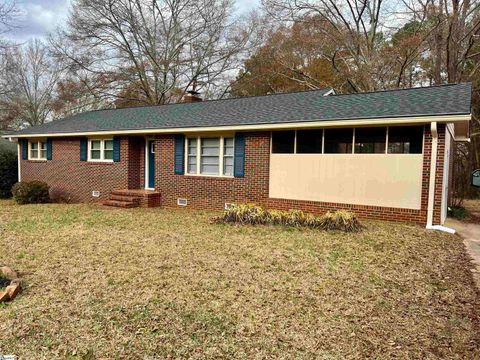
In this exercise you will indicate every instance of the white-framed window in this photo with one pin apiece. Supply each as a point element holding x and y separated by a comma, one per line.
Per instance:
<point>37,150</point>
<point>406,139</point>
<point>100,150</point>
<point>210,156</point>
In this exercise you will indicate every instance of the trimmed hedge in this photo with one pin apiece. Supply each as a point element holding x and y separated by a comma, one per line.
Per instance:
<point>32,192</point>
<point>256,215</point>
<point>8,173</point>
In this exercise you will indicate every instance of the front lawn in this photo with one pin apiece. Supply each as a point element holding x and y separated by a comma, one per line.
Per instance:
<point>154,283</point>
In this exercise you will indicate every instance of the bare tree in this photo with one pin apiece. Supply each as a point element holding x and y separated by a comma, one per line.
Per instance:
<point>161,46</point>
<point>30,78</point>
<point>8,14</point>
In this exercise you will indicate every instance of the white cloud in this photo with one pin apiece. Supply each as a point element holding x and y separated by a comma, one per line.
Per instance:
<point>39,17</point>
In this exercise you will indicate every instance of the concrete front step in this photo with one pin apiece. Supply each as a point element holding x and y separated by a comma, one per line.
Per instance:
<point>121,204</point>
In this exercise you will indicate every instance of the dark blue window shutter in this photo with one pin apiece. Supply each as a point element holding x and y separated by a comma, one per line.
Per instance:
<point>116,149</point>
<point>179,154</point>
<point>24,149</point>
<point>83,149</point>
<point>239,156</point>
<point>49,149</point>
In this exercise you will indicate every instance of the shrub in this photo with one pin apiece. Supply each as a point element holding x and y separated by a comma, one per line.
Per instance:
<point>256,215</point>
<point>8,172</point>
<point>32,192</point>
<point>458,212</point>
<point>341,220</point>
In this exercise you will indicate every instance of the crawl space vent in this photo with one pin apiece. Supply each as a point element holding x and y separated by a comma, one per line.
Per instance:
<point>182,202</point>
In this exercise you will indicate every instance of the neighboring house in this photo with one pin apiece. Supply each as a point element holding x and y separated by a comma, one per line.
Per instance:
<point>384,155</point>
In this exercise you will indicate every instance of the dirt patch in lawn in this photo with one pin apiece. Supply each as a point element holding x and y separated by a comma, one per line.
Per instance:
<point>142,283</point>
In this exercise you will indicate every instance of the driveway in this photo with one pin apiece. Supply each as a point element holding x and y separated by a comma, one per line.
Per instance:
<point>470,232</point>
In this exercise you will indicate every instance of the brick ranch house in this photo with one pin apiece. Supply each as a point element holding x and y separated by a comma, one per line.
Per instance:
<point>383,155</point>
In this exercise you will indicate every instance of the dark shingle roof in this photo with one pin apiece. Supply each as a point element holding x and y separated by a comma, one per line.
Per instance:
<point>271,109</point>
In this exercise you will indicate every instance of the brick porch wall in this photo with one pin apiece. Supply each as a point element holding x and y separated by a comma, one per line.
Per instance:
<point>213,193</point>
<point>74,180</point>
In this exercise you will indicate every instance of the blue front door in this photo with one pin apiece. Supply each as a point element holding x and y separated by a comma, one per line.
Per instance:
<point>151,164</point>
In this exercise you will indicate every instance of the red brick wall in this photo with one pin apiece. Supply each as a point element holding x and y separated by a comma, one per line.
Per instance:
<point>74,180</point>
<point>214,192</point>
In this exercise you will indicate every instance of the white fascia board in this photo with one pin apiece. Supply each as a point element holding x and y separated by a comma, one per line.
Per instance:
<point>291,125</point>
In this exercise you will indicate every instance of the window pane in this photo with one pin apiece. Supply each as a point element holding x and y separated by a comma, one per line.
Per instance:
<point>43,146</point>
<point>209,165</point>
<point>228,156</point>
<point>405,140</point>
<point>228,165</point>
<point>95,144</point>
<point>95,154</point>
<point>209,168</point>
<point>43,154</point>
<point>108,154</point>
<point>192,146</point>
<point>338,141</point>
<point>192,156</point>
<point>108,144</point>
<point>210,146</point>
<point>34,150</point>
<point>283,142</point>
<point>228,146</point>
<point>309,141</point>
<point>210,152</point>
<point>370,140</point>
<point>192,165</point>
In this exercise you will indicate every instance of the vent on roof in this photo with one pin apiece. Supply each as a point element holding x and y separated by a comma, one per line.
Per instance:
<point>182,202</point>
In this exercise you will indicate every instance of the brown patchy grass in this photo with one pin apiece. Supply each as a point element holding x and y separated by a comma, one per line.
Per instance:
<point>154,283</point>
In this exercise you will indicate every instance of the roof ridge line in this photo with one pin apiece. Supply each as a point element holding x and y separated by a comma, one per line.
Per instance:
<point>404,89</point>
<point>213,100</point>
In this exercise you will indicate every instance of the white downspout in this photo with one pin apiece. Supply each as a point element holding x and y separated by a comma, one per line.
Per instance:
<point>19,157</point>
<point>431,187</point>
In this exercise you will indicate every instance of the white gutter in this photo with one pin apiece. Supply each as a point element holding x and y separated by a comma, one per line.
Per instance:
<point>433,170</point>
<point>277,126</point>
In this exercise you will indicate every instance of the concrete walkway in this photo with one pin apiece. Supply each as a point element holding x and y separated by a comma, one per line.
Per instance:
<point>470,232</point>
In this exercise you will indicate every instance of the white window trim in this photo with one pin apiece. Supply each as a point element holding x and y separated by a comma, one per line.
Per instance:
<point>199,150</point>
<point>39,145</point>
<point>102,151</point>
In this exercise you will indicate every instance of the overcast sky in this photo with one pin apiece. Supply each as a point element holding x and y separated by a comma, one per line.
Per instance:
<point>42,16</point>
